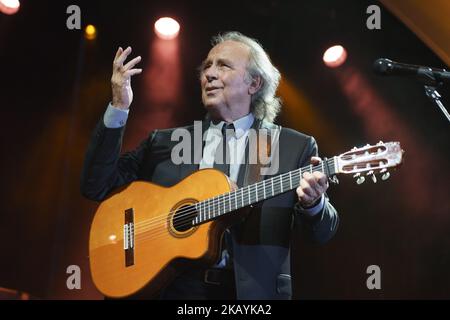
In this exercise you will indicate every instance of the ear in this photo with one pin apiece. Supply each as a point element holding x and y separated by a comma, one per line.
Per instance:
<point>255,85</point>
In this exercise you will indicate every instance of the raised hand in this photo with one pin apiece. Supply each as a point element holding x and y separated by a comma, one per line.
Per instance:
<point>122,94</point>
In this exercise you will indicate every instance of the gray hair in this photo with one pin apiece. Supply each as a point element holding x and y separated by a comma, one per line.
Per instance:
<point>265,105</point>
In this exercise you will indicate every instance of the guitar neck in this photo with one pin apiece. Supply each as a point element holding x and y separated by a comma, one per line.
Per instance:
<point>223,204</point>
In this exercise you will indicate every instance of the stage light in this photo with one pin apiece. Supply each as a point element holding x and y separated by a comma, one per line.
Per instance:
<point>335,56</point>
<point>90,32</point>
<point>167,28</point>
<point>9,6</point>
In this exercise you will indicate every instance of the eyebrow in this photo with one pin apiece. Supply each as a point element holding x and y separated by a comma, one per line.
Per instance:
<point>220,60</point>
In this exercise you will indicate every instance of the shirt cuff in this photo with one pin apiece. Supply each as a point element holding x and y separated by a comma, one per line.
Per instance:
<point>115,117</point>
<point>314,210</point>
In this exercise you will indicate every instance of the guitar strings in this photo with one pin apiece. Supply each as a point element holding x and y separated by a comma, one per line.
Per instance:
<point>187,212</point>
<point>141,232</point>
<point>221,198</point>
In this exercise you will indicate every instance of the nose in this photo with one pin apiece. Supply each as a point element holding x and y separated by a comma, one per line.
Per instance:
<point>210,74</point>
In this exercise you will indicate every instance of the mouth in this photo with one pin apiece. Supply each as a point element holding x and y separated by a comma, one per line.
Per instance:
<point>209,90</point>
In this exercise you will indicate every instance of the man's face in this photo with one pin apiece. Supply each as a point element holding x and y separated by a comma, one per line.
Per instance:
<point>224,80</point>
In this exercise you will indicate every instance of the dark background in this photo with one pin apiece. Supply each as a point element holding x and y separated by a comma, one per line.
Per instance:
<point>55,87</point>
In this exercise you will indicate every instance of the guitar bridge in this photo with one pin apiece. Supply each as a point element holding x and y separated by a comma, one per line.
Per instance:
<point>128,237</point>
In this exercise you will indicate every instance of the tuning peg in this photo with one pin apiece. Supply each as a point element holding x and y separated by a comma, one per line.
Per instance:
<point>334,179</point>
<point>354,148</point>
<point>360,179</point>
<point>381,142</point>
<point>372,174</point>
<point>385,175</point>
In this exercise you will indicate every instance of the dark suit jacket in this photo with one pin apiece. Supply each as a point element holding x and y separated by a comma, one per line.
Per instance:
<point>261,241</point>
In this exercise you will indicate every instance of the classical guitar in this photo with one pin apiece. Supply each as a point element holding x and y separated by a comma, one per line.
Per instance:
<point>143,231</point>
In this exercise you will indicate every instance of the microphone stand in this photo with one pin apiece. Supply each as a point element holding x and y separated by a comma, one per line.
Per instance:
<point>431,83</point>
<point>435,97</point>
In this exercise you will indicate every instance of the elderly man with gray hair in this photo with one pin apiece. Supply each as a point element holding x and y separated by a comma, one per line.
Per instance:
<point>238,85</point>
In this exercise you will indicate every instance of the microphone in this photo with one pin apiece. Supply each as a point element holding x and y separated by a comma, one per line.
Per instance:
<point>429,76</point>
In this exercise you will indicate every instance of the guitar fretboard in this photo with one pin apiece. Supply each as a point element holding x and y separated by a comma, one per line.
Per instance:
<point>213,208</point>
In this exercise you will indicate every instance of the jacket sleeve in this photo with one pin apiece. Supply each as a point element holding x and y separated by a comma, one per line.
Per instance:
<point>104,169</point>
<point>321,227</point>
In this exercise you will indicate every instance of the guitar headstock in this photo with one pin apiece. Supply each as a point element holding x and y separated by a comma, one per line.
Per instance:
<point>370,160</point>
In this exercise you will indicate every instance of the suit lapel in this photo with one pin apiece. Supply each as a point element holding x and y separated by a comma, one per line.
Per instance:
<point>196,151</point>
<point>243,170</point>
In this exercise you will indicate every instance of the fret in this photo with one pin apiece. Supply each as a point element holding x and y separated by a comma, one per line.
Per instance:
<point>202,214</point>
<point>208,208</point>
<point>224,204</point>
<point>310,168</point>
<point>256,191</point>
<point>216,203</point>
<point>281,182</point>
<point>249,198</point>
<point>205,213</point>
<point>242,197</point>
<point>271,180</point>
<point>290,179</point>
<point>235,200</point>
<point>229,202</point>
<point>203,209</point>
<point>264,188</point>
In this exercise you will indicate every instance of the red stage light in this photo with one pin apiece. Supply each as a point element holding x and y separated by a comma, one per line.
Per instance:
<point>9,6</point>
<point>335,56</point>
<point>167,28</point>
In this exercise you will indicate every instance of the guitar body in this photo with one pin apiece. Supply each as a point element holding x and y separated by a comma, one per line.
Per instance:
<point>149,255</point>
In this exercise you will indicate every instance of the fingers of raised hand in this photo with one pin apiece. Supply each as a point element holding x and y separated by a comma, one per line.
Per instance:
<point>131,63</point>
<point>121,71</point>
<point>121,55</point>
<point>132,72</point>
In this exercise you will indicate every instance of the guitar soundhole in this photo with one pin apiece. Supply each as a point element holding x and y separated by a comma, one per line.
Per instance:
<point>183,218</point>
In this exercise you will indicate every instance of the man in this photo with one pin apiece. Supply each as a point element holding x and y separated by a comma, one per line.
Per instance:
<point>238,83</point>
